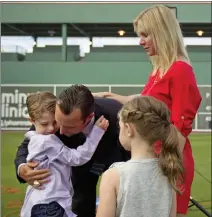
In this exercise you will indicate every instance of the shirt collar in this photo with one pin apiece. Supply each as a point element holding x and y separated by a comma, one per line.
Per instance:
<point>89,127</point>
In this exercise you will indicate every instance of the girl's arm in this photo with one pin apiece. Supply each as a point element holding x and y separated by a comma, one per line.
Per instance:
<point>108,193</point>
<point>173,212</point>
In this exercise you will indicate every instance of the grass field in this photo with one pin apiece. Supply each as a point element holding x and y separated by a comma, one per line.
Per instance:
<point>13,192</point>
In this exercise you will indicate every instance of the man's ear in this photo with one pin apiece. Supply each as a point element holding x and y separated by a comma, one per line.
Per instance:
<point>89,117</point>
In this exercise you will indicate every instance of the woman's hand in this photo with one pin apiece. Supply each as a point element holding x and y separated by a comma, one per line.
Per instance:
<point>102,94</point>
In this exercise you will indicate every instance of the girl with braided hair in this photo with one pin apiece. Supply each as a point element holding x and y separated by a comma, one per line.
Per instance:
<point>146,185</point>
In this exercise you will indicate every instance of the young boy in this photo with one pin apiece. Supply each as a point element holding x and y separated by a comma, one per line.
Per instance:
<point>55,198</point>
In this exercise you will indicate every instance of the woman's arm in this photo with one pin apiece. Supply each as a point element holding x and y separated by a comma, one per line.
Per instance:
<point>117,97</point>
<point>108,193</point>
<point>182,141</point>
<point>186,100</point>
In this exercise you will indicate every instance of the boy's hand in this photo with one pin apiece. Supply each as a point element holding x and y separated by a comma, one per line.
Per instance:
<point>102,123</point>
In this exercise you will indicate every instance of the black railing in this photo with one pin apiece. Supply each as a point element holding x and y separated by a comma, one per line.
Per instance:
<point>202,209</point>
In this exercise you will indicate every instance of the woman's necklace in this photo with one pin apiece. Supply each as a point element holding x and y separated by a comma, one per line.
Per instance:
<point>157,77</point>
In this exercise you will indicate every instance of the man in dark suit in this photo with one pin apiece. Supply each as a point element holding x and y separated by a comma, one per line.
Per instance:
<point>76,112</point>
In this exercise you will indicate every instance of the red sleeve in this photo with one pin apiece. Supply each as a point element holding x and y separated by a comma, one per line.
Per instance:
<point>147,86</point>
<point>185,97</point>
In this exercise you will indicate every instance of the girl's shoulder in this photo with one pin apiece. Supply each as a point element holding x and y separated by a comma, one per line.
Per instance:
<point>117,164</point>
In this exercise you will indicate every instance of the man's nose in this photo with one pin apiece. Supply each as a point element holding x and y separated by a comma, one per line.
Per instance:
<point>62,131</point>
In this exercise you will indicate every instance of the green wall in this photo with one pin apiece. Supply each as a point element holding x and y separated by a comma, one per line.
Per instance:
<point>87,73</point>
<point>108,65</point>
<point>95,13</point>
<point>105,54</point>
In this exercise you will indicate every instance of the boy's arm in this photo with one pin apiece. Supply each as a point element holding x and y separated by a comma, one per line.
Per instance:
<point>34,151</point>
<point>81,155</point>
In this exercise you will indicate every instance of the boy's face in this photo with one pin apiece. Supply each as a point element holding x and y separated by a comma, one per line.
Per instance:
<point>46,124</point>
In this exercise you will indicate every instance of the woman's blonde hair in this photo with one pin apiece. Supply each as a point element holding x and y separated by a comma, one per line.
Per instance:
<point>161,24</point>
<point>151,118</point>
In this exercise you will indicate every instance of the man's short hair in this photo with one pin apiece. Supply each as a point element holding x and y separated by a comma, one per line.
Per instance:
<point>76,96</point>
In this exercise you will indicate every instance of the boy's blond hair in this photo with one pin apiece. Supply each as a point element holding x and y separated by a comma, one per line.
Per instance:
<point>40,102</point>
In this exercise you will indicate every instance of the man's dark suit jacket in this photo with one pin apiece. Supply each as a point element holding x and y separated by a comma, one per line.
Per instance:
<point>108,151</point>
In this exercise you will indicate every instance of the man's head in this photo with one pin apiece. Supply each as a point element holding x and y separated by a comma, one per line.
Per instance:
<point>74,109</point>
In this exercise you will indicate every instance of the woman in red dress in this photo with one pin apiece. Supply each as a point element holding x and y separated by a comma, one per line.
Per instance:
<point>171,81</point>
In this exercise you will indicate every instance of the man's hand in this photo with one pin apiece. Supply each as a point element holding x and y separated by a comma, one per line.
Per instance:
<point>30,175</point>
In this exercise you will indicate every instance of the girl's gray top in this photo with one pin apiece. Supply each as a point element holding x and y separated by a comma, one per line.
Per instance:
<point>144,191</point>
